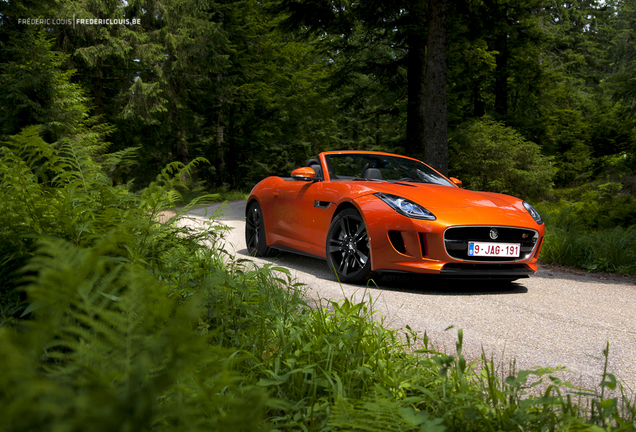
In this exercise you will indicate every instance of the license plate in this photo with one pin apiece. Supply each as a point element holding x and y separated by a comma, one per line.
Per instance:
<point>485,249</point>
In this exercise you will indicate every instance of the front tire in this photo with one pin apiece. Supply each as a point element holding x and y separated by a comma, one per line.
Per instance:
<point>348,252</point>
<point>255,237</point>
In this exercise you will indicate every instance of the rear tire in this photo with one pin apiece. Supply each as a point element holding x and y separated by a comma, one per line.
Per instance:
<point>255,236</point>
<point>348,252</point>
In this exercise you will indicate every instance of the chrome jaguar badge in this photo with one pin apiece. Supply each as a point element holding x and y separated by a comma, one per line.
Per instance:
<point>494,234</point>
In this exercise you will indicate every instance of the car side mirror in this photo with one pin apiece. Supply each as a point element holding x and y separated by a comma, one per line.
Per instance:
<point>304,173</point>
<point>457,182</point>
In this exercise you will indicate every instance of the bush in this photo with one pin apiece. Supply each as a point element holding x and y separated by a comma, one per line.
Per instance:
<point>596,205</point>
<point>486,155</point>
<point>101,303</point>
<point>59,190</point>
<point>592,227</point>
<point>107,348</point>
<point>570,241</point>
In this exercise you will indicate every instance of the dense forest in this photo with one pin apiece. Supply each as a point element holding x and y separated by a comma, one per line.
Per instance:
<point>112,318</point>
<point>258,87</point>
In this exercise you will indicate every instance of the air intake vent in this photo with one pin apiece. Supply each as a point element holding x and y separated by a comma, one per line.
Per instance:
<point>423,244</point>
<point>397,241</point>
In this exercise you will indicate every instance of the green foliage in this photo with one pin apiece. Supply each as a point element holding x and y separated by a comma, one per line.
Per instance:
<point>486,155</point>
<point>136,325</point>
<point>334,367</point>
<point>37,89</point>
<point>230,82</point>
<point>56,190</point>
<point>624,46</point>
<point>107,349</point>
<point>600,205</point>
<point>320,356</point>
<point>592,226</point>
<point>61,190</point>
<point>110,320</point>
<point>216,195</point>
<point>99,315</point>
<point>569,242</point>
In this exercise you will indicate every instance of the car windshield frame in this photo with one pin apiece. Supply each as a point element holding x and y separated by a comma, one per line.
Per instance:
<point>381,167</point>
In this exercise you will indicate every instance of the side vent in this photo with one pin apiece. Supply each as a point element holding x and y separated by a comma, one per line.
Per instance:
<point>397,241</point>
<point>423,244</point>
<point>536,254</point>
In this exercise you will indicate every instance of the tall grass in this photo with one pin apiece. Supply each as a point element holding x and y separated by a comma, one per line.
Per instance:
<point>569,241</point>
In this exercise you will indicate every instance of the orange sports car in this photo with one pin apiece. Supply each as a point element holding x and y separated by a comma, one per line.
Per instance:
<point>370,212</point>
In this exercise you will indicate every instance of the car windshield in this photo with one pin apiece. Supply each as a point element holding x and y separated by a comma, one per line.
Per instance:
<point>373,167</point>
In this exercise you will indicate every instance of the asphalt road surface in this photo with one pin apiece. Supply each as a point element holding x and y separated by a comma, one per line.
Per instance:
<point>554,318</point>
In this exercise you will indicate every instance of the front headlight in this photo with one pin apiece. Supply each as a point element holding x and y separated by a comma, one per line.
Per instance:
<point>534,213</point>
<point>405,207</point>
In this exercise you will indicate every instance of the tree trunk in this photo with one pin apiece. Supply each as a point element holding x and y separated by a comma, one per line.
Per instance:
<point>435,104</point>
<point>499,11</point>
<point>221,166</point>
<point>235,155</point>
<point>501,75</point>
<point>98,96</point>
<point>416,66</point>
<point>479,105</point>
<point>220,147</point>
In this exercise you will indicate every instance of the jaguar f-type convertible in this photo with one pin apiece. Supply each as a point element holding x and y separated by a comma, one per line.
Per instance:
<point>370,212</point>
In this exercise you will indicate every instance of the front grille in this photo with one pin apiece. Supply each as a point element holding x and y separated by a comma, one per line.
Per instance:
<point>456,241</point>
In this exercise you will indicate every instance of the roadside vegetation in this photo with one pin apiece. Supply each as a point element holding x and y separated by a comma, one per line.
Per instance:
<point>592,226</point>
<point>573,240</point>
<point>188,193</point>
<point>111,320</point>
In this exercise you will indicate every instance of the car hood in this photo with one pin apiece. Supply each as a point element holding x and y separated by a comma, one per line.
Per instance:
<point>434,196</point>
<point>453,206</point>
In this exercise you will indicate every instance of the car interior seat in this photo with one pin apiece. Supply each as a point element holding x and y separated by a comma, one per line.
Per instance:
<point>371,173</point>
<point>314,164</point>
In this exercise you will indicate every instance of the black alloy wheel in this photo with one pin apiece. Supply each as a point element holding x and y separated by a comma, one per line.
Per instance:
<point>348,251</point>
<point>255,237</point>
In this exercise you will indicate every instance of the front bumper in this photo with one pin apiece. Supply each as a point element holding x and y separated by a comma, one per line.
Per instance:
<point>487,271</point>
<point>402,244</point>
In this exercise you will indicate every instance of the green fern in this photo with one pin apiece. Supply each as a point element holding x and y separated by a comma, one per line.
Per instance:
<point>107,349</point>
<point>162,193</point>
<point>377,413</point>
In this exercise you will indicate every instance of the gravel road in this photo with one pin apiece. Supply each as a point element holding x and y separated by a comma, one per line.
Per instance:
<point>555,318</point>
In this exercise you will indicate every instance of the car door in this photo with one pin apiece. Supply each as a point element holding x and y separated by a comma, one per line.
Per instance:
<point>293,206</point>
